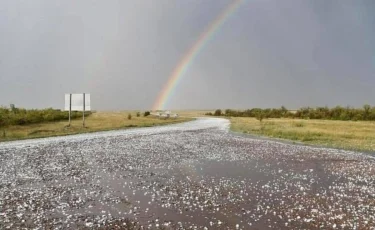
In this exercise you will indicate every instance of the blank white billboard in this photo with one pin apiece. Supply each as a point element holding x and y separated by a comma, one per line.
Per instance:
<point>77,102</point>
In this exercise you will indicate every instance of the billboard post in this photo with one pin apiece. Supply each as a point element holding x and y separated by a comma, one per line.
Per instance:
<point>84,105</point>
<point>70,108</point>
<point>77,102</point>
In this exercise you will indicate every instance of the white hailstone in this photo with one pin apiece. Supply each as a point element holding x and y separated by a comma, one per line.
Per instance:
<point>211,223</point>
<point>334,226</point>
<point>219,222</point>
<point>237,226</point>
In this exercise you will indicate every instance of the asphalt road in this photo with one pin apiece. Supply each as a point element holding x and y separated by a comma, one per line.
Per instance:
<point>195,175</point>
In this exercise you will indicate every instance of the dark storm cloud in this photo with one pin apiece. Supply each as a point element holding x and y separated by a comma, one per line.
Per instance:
<point>269,53</point>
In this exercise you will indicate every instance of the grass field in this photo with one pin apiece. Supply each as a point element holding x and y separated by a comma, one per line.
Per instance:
<point>352,135</point>
<point>99,121</point>
<point>191,113</point>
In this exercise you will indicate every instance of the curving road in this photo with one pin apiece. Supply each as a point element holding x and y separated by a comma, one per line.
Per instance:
<point>184,176</point>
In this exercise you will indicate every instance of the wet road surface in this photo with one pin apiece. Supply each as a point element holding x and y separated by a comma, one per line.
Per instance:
<point>195,175</point>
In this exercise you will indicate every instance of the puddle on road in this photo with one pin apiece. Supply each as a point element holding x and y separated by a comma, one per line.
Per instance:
<point>197,194</point>
<point>220,194</point>
<point>206,193</point>
<point>231,169</point>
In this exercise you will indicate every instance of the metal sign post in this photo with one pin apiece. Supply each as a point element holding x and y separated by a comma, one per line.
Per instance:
<point>70,108</point>
<point>77,102</point>
<point>84,105</point>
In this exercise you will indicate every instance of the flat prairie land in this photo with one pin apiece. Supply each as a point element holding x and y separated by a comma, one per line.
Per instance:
<point>98,121</point>
<point>350,135</point>
<point>192,113</point>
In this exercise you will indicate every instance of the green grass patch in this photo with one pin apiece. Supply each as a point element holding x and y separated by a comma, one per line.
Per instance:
<point>359,135</point>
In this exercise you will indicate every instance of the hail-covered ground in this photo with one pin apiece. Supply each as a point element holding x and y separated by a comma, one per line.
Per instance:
<point>195,175</point>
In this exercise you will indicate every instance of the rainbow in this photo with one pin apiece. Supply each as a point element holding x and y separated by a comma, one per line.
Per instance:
<point>192,53</point>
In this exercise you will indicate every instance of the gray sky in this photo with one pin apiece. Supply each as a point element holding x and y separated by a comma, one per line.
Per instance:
<point>267,54</point>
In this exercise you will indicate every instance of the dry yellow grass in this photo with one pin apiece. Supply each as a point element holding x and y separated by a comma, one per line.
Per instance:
<point>354,135</point>
<point>191,113</point>
<point>99,121</point>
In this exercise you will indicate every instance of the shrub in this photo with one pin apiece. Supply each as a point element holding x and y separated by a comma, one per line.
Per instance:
<point>260,116</point>
<point>147,113</point>
<point>337,113</point>
<point>129,116</point>
<point>138,114</point>
<point>18,116</point>
<point>218,112</point>
<point>2,120</point>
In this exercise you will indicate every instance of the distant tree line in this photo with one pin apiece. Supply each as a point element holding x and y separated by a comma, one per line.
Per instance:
<point>366,113</point>
<point>19,116</point>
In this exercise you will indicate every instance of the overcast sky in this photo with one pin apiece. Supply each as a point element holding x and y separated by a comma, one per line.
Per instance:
<point>267,54</point>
